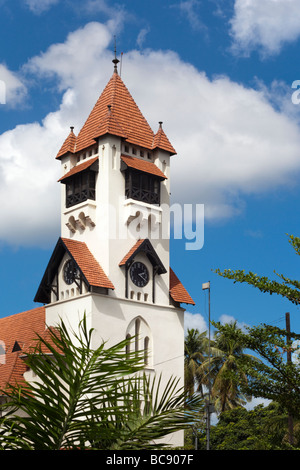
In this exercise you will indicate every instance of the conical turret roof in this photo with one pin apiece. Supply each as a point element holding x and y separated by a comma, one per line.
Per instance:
<point>116,113</point>
<point>161,141</point>
<point>68,145</point>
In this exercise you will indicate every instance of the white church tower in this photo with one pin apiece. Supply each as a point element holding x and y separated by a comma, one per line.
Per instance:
<point>112,261</point>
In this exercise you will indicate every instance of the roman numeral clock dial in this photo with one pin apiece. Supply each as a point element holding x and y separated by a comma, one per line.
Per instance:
<point>70,272</point>
<point>139,274</point>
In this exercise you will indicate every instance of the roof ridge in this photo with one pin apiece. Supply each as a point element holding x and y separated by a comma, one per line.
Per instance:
<point>105,124</point>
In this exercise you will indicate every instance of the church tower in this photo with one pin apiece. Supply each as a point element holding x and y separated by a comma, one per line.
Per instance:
<point>112,260</point>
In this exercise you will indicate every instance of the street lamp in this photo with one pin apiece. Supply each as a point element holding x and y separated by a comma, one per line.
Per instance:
<point>206,286</point>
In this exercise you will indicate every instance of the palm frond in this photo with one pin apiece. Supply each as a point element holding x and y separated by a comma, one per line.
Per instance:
<point>90,398</point>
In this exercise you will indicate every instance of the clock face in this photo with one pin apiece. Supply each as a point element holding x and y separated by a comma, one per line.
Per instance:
<point>70,272</point>
<point>139,274</point>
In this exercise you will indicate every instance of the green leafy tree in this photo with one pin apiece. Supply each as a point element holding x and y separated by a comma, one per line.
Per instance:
<point>271,377</point>
<point>225,368</point>
<point>263,428</point>
<point>85,398</point>
<point>195,352</point>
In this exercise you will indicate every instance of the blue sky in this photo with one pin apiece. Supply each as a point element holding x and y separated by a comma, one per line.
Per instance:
<point>219,74</point>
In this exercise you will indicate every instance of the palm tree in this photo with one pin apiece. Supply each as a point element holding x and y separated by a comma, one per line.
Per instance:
<point>195,349</point>
<point>226,374</point>
<point>87,398</point>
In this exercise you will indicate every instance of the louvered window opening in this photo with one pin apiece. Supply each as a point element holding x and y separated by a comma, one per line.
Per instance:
<point>80,187</point>
<point>142,187</point>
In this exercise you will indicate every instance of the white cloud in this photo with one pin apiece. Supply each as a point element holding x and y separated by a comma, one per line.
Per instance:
<point>39,6</point>
<point>194,321</point>
<point>265,24</point>
<point>102,6</point>
<point>142,36</point>
<point>224,319</point>
<point>189,9</point>
<point>230,140</point>
<point>13,91</point>
<point>28,170</point>
<point>76,62</point>
<point>30,206</point>
<point>256,402</point>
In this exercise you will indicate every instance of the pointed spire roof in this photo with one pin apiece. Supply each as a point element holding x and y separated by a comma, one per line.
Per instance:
<point>68,145</point>
<point>109,125</point>
<point>116,113</point>
<point>161,141</point>
<point>124,114</point>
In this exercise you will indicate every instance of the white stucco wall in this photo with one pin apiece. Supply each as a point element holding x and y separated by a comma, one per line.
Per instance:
<point>113,318</point>
<point>110,232</point>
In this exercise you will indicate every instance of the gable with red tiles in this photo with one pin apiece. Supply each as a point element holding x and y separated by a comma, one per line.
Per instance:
<point>88,265</point>
<point>177,291</point>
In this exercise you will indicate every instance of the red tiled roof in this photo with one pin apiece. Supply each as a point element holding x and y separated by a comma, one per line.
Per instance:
<point>88,265</point>
<point>109,125</point>
<point>177,291</point>
<point>142,165</point>
<point>68,145</point>
<point>131,252</point>
<point>78,168</point>
<point>23,328</point>
<point>161,141</point>
<point>45,336</point>
<point>116,112</point>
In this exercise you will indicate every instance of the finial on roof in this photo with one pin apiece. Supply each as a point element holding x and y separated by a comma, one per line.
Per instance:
<point>160,124</point>
<point>72,128</point>
<point>115,60</point>
<point>109,108</point>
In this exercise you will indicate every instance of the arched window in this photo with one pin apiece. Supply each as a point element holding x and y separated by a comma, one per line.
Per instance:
<point>139,330</point>
<point>137,333</point>
<point>146,350</point>
<point>128,338</point>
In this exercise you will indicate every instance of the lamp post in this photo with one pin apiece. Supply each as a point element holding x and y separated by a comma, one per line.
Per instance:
<point>206,286</point>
